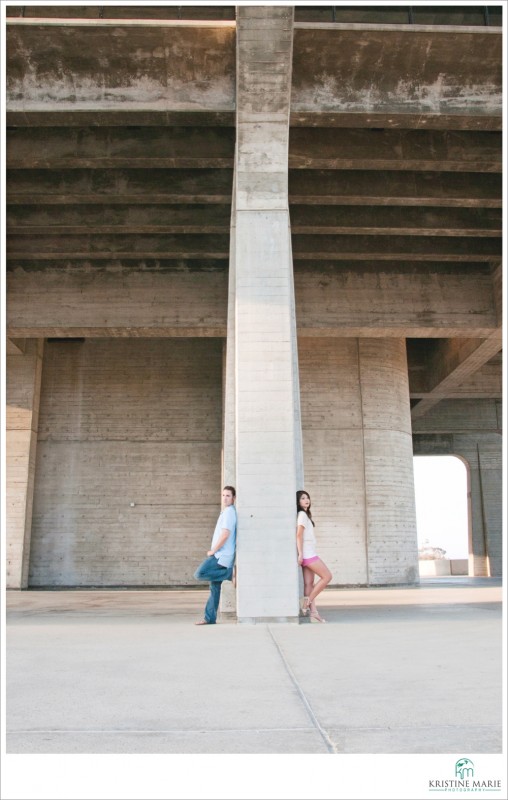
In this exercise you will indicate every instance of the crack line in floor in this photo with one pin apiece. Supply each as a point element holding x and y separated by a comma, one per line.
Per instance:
<point>330,746</point>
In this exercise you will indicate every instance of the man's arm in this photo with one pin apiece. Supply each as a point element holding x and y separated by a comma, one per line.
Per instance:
<point>223,536</point>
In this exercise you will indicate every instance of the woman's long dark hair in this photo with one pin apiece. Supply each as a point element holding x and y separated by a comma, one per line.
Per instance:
<point>308,512</point>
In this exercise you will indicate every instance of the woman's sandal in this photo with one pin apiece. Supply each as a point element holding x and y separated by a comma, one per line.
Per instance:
<point>305,606</point>
<point>315,615</point>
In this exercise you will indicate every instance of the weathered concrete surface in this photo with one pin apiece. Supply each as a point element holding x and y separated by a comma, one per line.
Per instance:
<point>120,156</point>
<point>358,458</point>
<point>190,299</point>
<point>393,188</point>
<point>22,423</point>
<point>129,148</point>
<point>330,148</point>
<point>423,71</point>
<point>266,411</point>
<point>486,382</point>
<point>139,187</point>
<point>148,435</point>
<point>452,362</point>
<point>127,672</point>
<point>105,66</point>
<point>461,416</point>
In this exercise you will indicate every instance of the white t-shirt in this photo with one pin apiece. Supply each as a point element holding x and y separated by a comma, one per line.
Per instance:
<point>309,540</point>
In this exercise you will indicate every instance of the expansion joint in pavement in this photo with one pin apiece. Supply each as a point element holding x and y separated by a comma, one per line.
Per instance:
<point>330,746</point>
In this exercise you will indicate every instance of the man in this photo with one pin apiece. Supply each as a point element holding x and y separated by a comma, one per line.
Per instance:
<point>218,566</point>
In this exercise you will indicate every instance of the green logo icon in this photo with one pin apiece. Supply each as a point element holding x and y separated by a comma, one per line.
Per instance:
<point>464,768</point>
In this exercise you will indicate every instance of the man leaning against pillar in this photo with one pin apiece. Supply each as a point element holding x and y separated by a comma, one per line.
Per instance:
<point>218,566</point>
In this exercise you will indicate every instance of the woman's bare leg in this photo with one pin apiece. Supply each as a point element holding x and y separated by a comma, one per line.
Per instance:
<point>308,581</point>
<point>320,569</point>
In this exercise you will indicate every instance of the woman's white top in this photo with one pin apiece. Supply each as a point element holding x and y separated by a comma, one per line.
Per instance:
<point>309,540</point>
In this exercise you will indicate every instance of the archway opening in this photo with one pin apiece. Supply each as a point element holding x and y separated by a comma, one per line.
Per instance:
<point>442,515</point>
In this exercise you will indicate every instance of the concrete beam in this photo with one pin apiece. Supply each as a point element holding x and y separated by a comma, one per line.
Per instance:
<point>446,71</point>
<point>395,221</point>
<point>306,187</point>
<point>451,151</point>
<point>127,246</point>
<point>107,303</point>
<point>64,65</point>
<point>432,248</point>
<point>129,148</point>
<point>102,186</point>
<point>453,362</point>
<point>143,246</point>
<point>119,301</point>
<point>486,382</point>
<point>119,219</point>
<point>120,118</point>
<point>461,417</point>
<point>215,218</point>
<point>392,188</point>
<point>15,347</point>
<point>366,119</point>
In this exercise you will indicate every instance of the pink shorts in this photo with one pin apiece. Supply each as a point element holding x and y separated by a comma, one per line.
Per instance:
<point>307,561</point>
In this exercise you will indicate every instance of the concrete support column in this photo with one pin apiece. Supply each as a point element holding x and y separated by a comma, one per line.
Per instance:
<point>262,322</point>
<point>484,456</point>
<point>392,550</point>
<point>24,370</point>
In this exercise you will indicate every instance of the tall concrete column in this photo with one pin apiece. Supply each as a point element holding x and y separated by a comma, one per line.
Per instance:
<point>24,370</point>
<point>228,593</point>
<point>392,550</point>
<point>262,322</point>
<point>483,453</point>
<point>489,500</point>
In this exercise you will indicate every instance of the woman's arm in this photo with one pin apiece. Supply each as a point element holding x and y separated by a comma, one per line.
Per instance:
<point>299,542</point>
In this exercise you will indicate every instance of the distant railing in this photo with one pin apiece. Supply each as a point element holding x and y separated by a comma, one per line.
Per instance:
<point>402,15</point>
<point>394,15</point>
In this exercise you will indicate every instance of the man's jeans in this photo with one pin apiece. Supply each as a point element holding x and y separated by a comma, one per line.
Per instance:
<point>211,570</point>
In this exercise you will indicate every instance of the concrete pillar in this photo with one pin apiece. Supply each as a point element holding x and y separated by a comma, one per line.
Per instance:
<point>490,464</point>
<point>483,453</point>
<point>392,549</point>
<point>24,370</point>
<point>262,322</point>
<point>228,592</point>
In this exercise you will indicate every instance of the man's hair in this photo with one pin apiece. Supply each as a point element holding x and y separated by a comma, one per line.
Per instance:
<point>230,489</point>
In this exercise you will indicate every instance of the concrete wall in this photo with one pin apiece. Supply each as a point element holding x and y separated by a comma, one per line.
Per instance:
<point>333,453</point>
<point>127,421</point>
<point>358,458</point>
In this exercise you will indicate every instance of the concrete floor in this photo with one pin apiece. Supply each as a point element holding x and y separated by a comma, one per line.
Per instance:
<point>410,670</point>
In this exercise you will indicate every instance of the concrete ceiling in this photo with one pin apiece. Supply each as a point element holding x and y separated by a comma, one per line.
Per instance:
<point>121,148</point>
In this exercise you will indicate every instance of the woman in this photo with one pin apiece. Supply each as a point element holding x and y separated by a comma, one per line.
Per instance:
<point>308,558</point>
